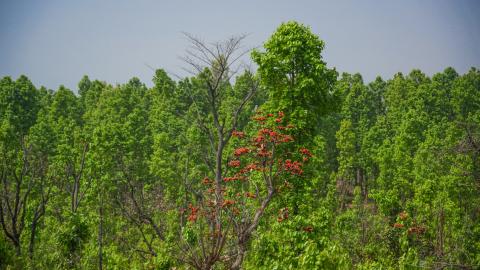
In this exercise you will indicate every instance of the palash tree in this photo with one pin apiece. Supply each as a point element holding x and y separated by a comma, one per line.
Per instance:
<point>220,110</point>
<point>223,221</point>
<point>213,65</point>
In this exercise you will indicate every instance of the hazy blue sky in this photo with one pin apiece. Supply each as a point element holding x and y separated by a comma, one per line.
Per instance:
<point>57,42</point>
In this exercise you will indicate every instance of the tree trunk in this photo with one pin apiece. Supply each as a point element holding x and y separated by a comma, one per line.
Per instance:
<point>100,236</point>
<point>240,256</point>
<point>361,182</point>
<point>18,250</point>
<point>440,233</point>
<point>76,187</point>
<point>33,230</point>
<point>365,188</point>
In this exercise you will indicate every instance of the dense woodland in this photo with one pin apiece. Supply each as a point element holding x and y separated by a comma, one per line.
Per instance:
<point>290,166</point>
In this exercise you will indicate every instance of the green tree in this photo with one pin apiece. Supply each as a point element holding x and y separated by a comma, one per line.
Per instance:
<point>24,182</point>
<point>296,78</point>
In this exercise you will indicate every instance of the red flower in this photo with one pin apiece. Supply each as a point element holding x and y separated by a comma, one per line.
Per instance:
<point>273,136</point>
<point>305,151</point>
<point>270,115</point>
<point>238,134</point>
<point>193,213</point>
<point>416,230</point>
<point>240,151</point>
<point>250,167</point>
<point>294,167</point>
<point>403,215</point>
<point>398,225</point>
<point>228,179</point>
<point>264,153</point>
<point>258,139</point>
<point>234,163</point>
<point>286,138</point>
<point>281,114</point>
<point>278,120</point>
<point>206,181</point>
<point>264,131</point>
<point>260,118</point>
<point>228,203</point>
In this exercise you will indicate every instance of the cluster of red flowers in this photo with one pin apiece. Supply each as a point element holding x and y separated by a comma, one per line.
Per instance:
<point>283,215</point>
<point>258,139</point>
<point>305,152</point>
<point>398,225</point>
<point>416,230</point>
<point>260,118</point>
<point>227,203</point>
<point>206,181</point>
<point>273,136</point>
<point>212,190</point>
<point>294,167</point>
<point>264,153</point>
<point>286,139</point>
<point>250,167</point>
<point>234,163</point>
<point>238,134</point>
<point>240,151</point>
<point>270,133</point>
<point>193,213</point>
<point>233,178</point>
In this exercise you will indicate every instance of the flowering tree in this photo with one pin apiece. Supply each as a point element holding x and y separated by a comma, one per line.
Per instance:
<point>258,170</point>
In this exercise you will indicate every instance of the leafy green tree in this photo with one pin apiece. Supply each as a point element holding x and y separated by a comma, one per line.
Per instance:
<point>19,173</point>
<point>359,111</point>
<point>296,78</point>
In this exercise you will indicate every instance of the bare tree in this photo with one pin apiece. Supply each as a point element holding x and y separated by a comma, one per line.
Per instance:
<point>215,64</point>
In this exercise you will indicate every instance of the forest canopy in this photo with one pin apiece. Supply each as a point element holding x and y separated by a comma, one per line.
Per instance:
<point>291,166</point>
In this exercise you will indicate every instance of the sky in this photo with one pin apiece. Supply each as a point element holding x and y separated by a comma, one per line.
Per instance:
<point>57,42</point>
